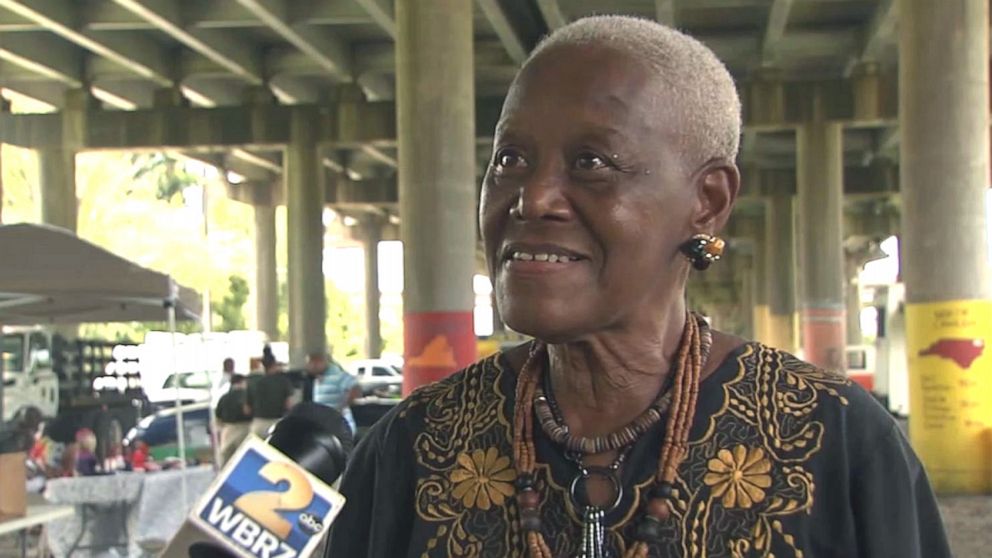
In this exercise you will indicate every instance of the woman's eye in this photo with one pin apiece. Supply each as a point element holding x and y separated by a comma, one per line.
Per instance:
<point>590,161</point>
<point>509,159</point>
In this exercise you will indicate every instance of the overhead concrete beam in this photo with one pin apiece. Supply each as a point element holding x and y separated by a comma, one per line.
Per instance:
<point>664,12</point>
<point>43,55</point>
<point>329,52</point>
<point>380,58</point>
<point>50,93</point>
<point>380,156</point>
<point>552,13</point>
<point>881,30</point>
<point>381,11</point>
<point>498,17</point>
<point>346,193</point>
<point>221,47</point>
<point>229,14</point>
<point>778,19</point>
<point>293,91</point>
<point>137,53</point>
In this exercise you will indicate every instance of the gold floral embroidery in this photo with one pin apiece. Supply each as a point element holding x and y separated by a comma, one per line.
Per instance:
<point>482,479</point>
<point>745,485</point>
<point>739,478</point>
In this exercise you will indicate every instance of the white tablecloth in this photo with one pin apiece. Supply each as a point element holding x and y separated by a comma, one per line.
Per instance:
<point>148,504</point>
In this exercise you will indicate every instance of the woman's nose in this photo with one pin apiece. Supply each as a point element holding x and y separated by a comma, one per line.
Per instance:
<point>543,196</point>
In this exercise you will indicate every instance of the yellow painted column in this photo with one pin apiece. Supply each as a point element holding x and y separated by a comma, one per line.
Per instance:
<point>944,153</point>
<point>948,345</point>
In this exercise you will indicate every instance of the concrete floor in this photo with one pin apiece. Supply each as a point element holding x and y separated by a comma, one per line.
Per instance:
<point>968,520</point>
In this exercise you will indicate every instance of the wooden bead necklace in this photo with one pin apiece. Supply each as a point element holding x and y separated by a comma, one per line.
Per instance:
<point>692,353</point>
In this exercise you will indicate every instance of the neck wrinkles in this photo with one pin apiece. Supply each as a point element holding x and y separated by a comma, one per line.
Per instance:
<point>603,382</point>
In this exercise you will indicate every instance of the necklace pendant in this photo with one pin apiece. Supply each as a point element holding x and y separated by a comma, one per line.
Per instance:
<point>593,534</point>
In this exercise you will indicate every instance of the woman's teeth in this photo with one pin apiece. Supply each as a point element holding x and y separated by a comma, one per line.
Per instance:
<point>550,258</point>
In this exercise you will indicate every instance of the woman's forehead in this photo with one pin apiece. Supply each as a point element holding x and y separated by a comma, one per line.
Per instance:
<point>593,87</point>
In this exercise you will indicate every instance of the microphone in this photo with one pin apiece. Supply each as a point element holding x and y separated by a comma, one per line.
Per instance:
<point>272,499</point>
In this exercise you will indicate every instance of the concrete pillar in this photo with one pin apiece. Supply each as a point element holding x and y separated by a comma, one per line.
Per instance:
<point>57,174</point>
<point>780,271</point>
<point>4,108</point>
<point>372,234</point>
<point>266,279</point>
<point>852,299</point>
<point>305,238</point>
<point>944,152</point>
<point>758,311</point>
<point>821,252</point>
<point>437,185</point>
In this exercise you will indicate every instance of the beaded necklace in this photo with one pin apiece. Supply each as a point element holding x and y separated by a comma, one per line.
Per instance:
<point>692,353</point>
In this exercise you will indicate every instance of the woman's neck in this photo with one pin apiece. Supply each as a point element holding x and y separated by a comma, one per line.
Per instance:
<point>603,382</point>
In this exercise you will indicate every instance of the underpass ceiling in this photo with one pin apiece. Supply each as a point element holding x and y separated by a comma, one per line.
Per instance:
<point>216,52</point>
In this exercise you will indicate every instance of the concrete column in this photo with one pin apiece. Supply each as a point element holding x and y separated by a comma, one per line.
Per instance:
<point>57,174</point>
<point>821,252</point>
<point>437,185</point>
<point>4,108</point>
<point>757,311</point>
<point>780,271</point>
<point>373,331</point>
<point>944,151</point>
<point>305,238</point>
<point>266,279</point>
<point>852,299</point>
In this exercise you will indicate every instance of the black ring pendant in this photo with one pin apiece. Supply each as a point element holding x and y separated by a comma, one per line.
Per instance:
<point>585,473</point>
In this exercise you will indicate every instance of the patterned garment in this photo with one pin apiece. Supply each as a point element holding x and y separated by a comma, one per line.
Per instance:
<point>785,461</point>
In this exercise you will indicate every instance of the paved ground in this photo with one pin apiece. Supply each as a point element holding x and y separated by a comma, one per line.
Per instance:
<point>968,520</point>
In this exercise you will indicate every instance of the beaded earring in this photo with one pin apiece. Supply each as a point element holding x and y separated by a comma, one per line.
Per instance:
<point>703,249</point>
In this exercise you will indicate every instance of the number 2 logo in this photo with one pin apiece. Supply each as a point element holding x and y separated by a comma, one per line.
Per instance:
<point>264,506</point>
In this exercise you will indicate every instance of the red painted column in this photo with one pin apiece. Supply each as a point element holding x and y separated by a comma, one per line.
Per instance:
<point>436,345</point>
<point>435,92</point>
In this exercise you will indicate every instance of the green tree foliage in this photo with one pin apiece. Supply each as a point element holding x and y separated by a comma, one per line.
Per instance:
<point>231,308</point>
<point>170,177</point>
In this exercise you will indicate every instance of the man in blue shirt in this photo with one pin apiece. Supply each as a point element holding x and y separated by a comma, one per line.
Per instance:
<point>333,386</point>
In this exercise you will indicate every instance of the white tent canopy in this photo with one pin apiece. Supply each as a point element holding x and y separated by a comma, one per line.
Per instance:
<point>48,275</point>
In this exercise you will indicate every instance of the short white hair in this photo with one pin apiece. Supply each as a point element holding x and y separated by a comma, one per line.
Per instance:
<point>693,79</point>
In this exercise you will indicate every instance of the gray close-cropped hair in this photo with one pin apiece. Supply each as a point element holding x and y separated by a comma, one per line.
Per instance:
<point>693,79</point>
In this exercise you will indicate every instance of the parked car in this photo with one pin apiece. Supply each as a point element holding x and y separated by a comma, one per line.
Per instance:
<point>193,387</point>
<point>378,377</point>
<point>159,432</point>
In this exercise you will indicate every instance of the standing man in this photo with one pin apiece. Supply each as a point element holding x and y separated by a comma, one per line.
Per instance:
<point>333,386</point>
<point>270,396</point>
<point>234,422</point>
<point>227,376</point>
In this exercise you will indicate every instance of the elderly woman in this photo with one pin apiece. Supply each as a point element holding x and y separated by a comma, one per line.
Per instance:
<point>628,428</point>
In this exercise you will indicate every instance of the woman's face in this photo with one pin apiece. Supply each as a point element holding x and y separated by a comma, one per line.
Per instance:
<point>585,201</point>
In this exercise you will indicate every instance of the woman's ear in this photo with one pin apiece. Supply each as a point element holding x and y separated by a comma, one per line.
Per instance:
<point>717,185</point>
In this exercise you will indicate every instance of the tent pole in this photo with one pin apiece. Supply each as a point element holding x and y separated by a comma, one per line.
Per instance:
<point>180,427</point>
<point>3,423</point>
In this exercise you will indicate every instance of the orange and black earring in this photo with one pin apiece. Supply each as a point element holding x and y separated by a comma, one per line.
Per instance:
<point>703,249</point>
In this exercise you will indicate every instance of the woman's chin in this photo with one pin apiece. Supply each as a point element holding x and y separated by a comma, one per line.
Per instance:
<point>547,327</point>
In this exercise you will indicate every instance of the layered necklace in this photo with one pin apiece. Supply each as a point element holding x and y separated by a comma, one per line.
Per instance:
<point>534,397</point>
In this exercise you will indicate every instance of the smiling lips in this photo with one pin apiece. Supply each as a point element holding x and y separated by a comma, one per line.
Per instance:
<point>542,257</point>
<point>538,259</point>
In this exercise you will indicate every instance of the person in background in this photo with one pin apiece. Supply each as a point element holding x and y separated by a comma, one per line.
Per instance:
<point>268,397</point>
<point>234,422</point>
<point>86,463</point>
<point>333,386</point>
<point>228,375</point>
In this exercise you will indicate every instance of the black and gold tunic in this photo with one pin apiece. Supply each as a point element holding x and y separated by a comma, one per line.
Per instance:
<point>785,461</point>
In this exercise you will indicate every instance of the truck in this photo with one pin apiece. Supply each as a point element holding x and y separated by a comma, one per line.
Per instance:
<point>73,383</point>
